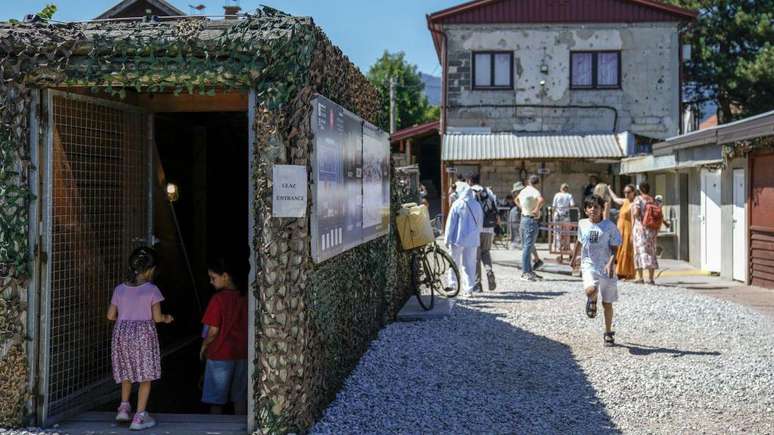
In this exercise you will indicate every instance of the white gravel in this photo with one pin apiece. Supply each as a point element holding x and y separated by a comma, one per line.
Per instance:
<point>526,359</point>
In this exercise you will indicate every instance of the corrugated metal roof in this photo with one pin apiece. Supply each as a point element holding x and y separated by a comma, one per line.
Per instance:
<point>575,11</point>
<point>499,146</point>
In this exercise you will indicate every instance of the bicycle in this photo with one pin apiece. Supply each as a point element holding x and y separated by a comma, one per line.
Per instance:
<point>432,270</point>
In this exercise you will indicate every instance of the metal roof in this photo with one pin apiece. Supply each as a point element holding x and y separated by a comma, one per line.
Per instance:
<point>416,131</point>
<point>745,129</point>
<point>555,12</point>
<point>161,5</point>
<point>500,146</point>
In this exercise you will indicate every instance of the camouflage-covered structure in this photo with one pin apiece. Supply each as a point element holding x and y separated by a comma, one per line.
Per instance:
<point>312,322</point>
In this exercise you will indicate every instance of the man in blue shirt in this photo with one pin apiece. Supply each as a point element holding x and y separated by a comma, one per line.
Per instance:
<point>463,236</point>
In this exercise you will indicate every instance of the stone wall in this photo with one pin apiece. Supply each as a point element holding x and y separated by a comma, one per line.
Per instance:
<point>647,104</point>
<point>501,174</point>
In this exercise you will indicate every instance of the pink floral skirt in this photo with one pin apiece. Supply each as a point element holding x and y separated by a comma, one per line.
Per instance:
<point>135,351</point>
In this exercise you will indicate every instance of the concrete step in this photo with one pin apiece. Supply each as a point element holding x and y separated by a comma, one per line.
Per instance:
<point>90,423</point>
<point>413,312</point>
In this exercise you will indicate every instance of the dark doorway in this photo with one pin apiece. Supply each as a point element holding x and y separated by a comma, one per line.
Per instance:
<point>206,156</point>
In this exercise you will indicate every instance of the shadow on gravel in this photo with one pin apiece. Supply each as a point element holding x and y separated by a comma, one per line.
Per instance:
<point>642,350</point>
<point>471,373</point>
<point>514,296</point>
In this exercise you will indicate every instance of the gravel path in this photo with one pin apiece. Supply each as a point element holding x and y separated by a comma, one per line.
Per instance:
<point>525,359</point>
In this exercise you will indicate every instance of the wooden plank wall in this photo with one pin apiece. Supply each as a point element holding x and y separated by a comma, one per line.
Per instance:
<point>762,220</point>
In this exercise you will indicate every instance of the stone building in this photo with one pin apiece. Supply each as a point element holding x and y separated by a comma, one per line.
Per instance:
<point>97,119</point>
<point>564,89</point>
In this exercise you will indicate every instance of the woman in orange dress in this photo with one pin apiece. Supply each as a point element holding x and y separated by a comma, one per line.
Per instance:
<point>625,267</point>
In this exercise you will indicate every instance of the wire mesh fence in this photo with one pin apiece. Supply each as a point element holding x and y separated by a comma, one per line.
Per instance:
<point>99,214</point>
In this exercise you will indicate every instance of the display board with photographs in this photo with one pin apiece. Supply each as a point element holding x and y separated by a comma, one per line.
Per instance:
<point>351,186</point>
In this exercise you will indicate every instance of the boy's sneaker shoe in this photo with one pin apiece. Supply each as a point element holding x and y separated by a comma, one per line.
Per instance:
<point>537,277</point>
<point>142,420</point>
<point>528,277</point>
<point>491,280</point>
<point>537,265</point>
<point>123,413</point>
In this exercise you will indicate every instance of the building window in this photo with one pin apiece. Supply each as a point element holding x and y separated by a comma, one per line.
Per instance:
<point>493,70</point>
<point>595,70</point>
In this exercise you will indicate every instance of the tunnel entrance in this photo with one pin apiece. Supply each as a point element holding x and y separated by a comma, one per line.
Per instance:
<point>105,166</point>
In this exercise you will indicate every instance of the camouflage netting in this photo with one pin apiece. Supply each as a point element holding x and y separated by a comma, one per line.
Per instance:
<point>313,321</point>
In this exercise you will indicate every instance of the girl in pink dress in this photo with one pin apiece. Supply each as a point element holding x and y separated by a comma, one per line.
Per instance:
<point>136,308</point>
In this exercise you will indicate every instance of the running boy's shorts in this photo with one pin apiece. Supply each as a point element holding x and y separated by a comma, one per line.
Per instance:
<point>608,287</point>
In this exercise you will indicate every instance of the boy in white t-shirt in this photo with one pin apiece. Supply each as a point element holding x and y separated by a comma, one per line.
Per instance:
<point>598,241</point>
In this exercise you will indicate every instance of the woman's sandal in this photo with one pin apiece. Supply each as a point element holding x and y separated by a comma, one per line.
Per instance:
<point>639,281</point>
<point>609,339</point>
<point>651,282</point>
<point>591,308</point>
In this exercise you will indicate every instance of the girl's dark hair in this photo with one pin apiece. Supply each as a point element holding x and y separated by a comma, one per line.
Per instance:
<point>232,267</point>
<point>593,200</point>
<point>645,188</point>
<point>631,187</point>
<point>140,261</point>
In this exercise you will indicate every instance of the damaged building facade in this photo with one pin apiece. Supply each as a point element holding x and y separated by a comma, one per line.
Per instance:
<point>560,89</point>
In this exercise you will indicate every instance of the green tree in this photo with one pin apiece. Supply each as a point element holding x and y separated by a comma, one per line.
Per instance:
<point>413,107</point>
<point>732,58</point>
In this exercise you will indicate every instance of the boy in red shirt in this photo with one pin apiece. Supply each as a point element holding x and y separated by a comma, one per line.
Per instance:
<point>225,347</point>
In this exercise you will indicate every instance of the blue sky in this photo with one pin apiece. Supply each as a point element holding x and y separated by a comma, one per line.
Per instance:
<point>362,28</point>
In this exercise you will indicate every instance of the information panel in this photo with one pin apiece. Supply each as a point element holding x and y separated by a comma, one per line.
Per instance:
<point>351,191</point>
<point>376,182</point>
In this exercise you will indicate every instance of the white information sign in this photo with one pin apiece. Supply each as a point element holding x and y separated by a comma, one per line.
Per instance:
<point>289,191</point>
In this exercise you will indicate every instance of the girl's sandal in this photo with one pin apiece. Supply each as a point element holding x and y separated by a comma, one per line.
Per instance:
<point>609,339</point>
<point>591,308</point>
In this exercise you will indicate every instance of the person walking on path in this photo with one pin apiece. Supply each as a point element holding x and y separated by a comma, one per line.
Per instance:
<point>514,216</point>
<point>625,257</point>
<point>136,308</point>
<point>491,219</point>
<point>561,204</point>
<point>530,201</point>
<point>598,241</point>
<point>644,236</point>
<point>463,236</point>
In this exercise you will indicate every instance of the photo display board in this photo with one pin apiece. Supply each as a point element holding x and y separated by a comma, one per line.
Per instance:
<point>351,180</point>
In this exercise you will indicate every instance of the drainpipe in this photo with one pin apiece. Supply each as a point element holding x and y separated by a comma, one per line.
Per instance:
<point>444,86</point>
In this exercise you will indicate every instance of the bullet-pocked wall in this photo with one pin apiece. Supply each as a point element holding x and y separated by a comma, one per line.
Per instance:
<point>312,322</point>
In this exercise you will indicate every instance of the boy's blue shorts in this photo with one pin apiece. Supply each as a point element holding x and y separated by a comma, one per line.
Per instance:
<point>225,381</point>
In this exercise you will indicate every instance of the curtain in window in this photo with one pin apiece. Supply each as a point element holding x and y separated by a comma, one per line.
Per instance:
<point>607,70</point>
<point>582,69</point>
<point>502,69</point>
<point>483,70</point>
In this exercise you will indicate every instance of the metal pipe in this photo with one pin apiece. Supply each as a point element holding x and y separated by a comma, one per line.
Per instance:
<point>185,256</point>
<point>543,106</point>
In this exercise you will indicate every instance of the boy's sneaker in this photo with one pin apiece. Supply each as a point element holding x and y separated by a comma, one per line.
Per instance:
<point>528,277</point>
<point>491,280</point>
<point>537,277</point>
<point>123,413</point>
<point>142,420</point>
<point>537,265</point>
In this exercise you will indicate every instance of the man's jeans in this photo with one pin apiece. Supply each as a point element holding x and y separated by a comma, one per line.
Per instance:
<point>529,231</point>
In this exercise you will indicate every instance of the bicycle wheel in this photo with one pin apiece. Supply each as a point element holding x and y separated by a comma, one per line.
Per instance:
<point>445,274</point>
<point>422,280</point>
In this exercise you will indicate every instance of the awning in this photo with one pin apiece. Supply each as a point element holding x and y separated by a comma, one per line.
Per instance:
<point>501,146</point>
<point>651,163</point>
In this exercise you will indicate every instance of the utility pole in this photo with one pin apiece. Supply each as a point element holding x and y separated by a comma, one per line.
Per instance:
<point>393,106</point>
